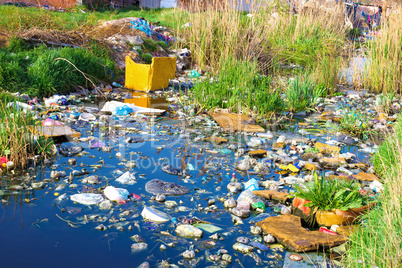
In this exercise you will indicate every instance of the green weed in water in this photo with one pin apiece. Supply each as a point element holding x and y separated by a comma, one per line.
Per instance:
<point>17,141</point>
<point>327,195</point>
<point>302,94</point>
<point>356,124</point>
<point>239,88</point>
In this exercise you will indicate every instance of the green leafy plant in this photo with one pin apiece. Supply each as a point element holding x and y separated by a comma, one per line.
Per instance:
<point>384,102</point>
<point>356,123</point>
<point>328,195</point>
<point>17,141</point>
<point>302,94</point>
<point>238,87</point>
<point>312,150</point>
<point>355,32</point>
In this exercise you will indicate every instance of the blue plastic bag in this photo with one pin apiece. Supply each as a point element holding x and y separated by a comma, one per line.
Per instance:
<point>123,110</point>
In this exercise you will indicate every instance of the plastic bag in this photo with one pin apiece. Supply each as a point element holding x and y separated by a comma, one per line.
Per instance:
<point>259,205</point>
<point>116,194</point>
<point>87,198</point>
<point>248,196</point>
<point>251,185</point>
<point>123,110</point>
<point>127,178</point>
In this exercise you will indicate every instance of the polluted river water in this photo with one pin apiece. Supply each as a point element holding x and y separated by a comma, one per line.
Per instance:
<point>41,225</point>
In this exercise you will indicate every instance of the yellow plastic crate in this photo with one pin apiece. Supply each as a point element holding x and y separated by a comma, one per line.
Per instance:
<point>145,77</point>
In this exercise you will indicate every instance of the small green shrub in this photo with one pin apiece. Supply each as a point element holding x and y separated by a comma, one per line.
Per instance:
<point>149,45</point>
<point>327,195</point>
<point>42,71</point>
<point>146,58</point>
<point>356,124</point>
<point>239,88</point>
<point>302,94</point>
<point>355,33</point>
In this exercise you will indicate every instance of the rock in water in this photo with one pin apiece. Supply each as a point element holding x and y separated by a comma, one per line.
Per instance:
<point>94,179</point>
<point>189,254</point>
<point>144,265</point>
<point>156,186</point>
<point>69,151</point>
<point>188,231</point>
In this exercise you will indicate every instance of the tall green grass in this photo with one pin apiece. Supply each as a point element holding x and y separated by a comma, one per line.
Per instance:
<point>238,87</point>
<point>42,72</point>
<point>307,37</point>
<point>378,243</point>
<point>219,32</point>
<point>14,19</point>
<point>385,68</point>
<point>272,35</point>
<point>302,94</point>
<point>17,141</point>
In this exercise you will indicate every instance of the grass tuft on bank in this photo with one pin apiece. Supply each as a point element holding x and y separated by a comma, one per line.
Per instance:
<point>42,71</point>
<point>378,243</point>
<point>385,69</point>
<point>17,142</point>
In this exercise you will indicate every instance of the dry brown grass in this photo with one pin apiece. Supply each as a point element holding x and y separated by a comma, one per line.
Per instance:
<point>219,32</point>
<point>385,71</point>
<point>270,35</point>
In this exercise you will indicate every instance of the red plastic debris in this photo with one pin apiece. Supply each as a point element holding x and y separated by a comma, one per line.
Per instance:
<point>325,230</point>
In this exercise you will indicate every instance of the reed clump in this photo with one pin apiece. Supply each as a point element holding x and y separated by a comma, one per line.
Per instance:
<point>239,88</point>
<point>269,34</point>
<point>17,141</point>
<point>385,68</point>
<point>219,32</point>
<point>378,243</point>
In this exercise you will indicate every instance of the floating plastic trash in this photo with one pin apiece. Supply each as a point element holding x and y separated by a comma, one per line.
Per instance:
<point>123,110</point>
<point>210,228</point>
<point>87,117</point>
<point>87,198</point>
<point>157,186</point>
<point>154,215</point>
<point>290,167</point>
<point>116,194</point>
<point>51,122</point>
<point>259,246</point>
<point>251,185</point>
<point>96,144</point>
<point>68,151</point>
<point>127,178</point>
<point>172,170</point>
<point>190,166</point>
